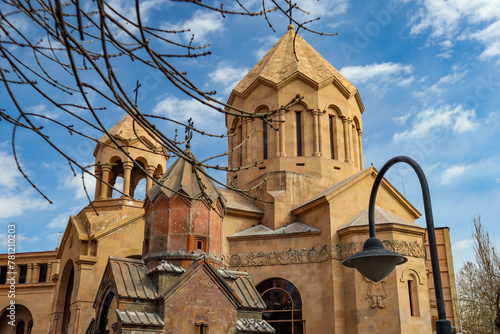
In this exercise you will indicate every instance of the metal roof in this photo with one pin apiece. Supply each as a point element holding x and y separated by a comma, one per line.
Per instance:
<point>131,279</point>
<point>139,318</point>
<point>245,325</point>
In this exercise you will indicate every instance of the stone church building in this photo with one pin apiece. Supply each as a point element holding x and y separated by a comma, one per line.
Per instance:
<point>195,258</point>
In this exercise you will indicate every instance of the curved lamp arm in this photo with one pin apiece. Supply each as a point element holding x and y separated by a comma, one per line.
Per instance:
<point>443,326</point>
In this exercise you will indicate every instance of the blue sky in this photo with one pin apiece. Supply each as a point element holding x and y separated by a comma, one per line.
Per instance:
<point>427,72</point>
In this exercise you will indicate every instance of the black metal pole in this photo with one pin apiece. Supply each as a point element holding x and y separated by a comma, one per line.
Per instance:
<point>443,326</point>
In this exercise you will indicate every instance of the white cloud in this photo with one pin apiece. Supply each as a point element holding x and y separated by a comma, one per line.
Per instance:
<point>205,118</point>
<point>460,19</point>
<point>75,184</point>
<point>377,74</point>
<point>454,118</point>
<point>15,203</point>
<point>8,171</point>
<point>201,24</point>
<point>59,221</point>
<point>402,119</point>
<point>462,244</point>
<point>41,109</point>
<point>450,174</point>
<point>228,76</point>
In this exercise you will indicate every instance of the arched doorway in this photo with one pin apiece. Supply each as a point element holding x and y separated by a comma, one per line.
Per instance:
<point>67,303</point>
<point>23,322</point>
<point>284,306</point>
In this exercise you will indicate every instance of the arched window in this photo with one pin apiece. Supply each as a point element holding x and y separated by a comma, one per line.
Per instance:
<point>264,138</point>
<point>284,306</point>
<point>413,296</point>
<point>67,303</point>
<point>298,129</point>
<point>20,327</point>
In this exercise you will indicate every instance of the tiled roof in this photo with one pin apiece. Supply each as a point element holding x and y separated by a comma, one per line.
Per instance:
<point>281,62</point>
<point>139,318</point>
<point>243,288</point>
<point>131,279</point>
<point>181,176</point>
<point>244,325</point>
<point>128,129</point>
<point>261,230</point>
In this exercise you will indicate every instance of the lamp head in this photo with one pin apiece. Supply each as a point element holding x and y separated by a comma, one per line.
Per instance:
<point>374,261</point>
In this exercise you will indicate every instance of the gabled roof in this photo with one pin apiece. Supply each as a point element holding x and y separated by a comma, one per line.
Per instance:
<point>280,63</point>
<point>244,289</point>
<point>340,187</point>
<point>191,272</point>
<point>182,177</point>
<point>382,216</point>
<point>285,231</point>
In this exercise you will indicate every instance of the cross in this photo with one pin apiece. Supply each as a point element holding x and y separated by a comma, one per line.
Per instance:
<point>290,7</point>
<point>136,90</point>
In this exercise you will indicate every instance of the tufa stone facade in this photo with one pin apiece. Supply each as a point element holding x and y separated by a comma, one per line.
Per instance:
<point>192,258</point>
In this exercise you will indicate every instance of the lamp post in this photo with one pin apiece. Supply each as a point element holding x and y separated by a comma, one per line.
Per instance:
<point>376,263</point>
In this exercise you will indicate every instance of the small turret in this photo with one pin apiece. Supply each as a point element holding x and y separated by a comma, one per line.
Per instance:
<point>112,163</point>
<point>184,214</point>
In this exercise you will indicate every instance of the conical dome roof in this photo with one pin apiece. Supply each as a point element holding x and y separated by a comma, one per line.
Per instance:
<point>280,63</point>
<point>182,177</point>
<point>127,130</point>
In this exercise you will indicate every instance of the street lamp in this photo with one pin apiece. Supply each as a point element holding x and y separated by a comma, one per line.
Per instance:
<point>376,263</point>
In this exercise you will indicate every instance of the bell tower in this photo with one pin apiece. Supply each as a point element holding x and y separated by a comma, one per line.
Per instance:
<point>111,163</point>
<point>304,148</point>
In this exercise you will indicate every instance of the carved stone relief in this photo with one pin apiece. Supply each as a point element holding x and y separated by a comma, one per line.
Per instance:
<point>320,254</point>
<point>376,293</point>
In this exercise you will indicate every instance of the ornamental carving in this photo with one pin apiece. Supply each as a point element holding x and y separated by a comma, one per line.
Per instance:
<point>320,254</point>
<point>376,293</point>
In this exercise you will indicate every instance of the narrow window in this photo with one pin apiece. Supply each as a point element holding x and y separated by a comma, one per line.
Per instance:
<point>203,327</point>
<point>42,277</point>
<point>413,298</point>
<point>22,274</point>
<point>200,243</point>
<point>264,140</point>
<point>241,142</point>
<point>298,122</point>
<point>332,136</point>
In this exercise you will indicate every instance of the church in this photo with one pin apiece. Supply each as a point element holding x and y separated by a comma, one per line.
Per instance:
<point>196,258</point>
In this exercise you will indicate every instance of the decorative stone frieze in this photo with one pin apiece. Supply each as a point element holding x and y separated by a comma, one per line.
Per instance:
<point>320,254</point>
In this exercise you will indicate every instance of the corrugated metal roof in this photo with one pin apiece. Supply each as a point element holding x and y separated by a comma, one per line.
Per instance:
<point>245,325</point>
<point>243,288</point>
<point>139,318</point>
<point>131,279</point>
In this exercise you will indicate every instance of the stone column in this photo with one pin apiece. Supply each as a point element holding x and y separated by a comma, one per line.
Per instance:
<point>98,174</point>
<point>316,132</point>
<point>246,145</point>
<point>49,271</point>
<point>35,275</point>
<point>150,169</point>
<point>17,270</point>
<point>282,133</point>
<point>346,122</point>
<point>29,272</point>
<point>106,169</point>
<point>360,148</point>
<point>277,135</point>
<point>127,172</point>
